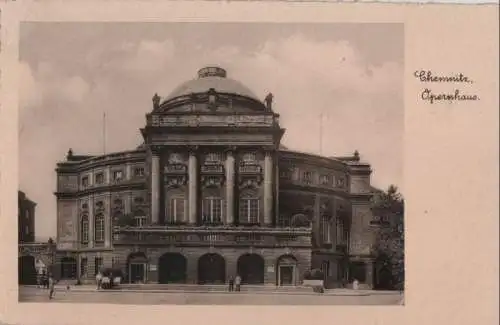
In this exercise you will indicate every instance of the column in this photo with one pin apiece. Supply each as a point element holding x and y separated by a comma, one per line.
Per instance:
<point>369,274</point>
<point>229,187</point>
<point>107,223</point>
<point>193,181</point>
<point>91,222</point>
<point>268,188</point>
<point>155,187</point>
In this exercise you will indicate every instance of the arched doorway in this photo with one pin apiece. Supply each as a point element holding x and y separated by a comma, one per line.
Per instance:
<point>137,265</point>
<point>26,270</point>
<point>211,269</point>
<point>286,271</point>
<point>251,269</point>
<point>383,273</point>
<point>172,268</point>
<point>68,268</point>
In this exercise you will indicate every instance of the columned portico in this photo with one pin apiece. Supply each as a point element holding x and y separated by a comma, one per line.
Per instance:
<point>155,187</point>
<point>193,189</point>
<point>229,187</point>
<point>268,188</point>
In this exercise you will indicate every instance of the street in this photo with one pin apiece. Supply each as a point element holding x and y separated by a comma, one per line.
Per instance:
<point>33,294</point>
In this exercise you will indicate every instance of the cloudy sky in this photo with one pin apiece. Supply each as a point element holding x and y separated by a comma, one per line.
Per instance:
<point>71,73</point>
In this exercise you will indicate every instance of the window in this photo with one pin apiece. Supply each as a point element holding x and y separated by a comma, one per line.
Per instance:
<point>99,178</point>
<point>139,172</point>
<point>324,179</point>
<point>340,233</point>
<point>212,210</point>
<point>85,181</point>
<point>307,177</point>
<point>140,219</point>
<point>27,214</point>
<point>249,210</point>
<point>99,228</point>
<point>249,157</point>
<point>176,209</point>
<point>97,264</point>
<point>284,220</point>
<point>213,157</point>
<point>27,230</point>
<point>84,230</point>
<point>83,266</point>
<point>117,175</point>
<point>325,230</point>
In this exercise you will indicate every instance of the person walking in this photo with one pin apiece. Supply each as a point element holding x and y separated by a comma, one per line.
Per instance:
<point>98,279</point>
<point>231,284</point>
<point>237,283</point>
<point>52,284</point>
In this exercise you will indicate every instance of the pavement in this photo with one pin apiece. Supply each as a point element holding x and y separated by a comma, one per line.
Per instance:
<point>89,294</point>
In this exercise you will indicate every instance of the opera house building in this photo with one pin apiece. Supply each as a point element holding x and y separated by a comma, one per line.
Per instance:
<point>211,193</point>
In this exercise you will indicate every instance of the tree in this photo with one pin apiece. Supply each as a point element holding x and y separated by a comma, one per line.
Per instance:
<point>388,209</point>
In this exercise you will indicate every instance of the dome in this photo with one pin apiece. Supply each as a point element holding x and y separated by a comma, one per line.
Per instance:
<point>208,78</point>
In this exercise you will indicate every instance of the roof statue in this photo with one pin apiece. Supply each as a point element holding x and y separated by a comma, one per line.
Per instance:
<point>269,101</point>
<point>156,101</point>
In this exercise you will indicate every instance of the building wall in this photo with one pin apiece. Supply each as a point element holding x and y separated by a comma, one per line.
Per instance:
<point>119,257</point>
<point>26,219</point>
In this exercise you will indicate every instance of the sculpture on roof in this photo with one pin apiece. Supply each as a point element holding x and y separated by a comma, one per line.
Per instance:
<point>269,101</point>
<point>156,101</point>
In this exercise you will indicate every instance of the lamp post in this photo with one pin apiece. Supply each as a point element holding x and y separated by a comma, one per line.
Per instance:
<point>52,252</point>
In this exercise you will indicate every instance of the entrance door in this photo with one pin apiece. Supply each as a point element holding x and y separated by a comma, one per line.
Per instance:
<point>286,274</point>
<point>137,272</point>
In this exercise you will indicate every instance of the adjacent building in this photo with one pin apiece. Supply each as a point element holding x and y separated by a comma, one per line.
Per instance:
<point>212,193</point>
<point>25,218</point>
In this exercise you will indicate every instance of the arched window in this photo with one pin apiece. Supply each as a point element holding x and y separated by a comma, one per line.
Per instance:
<point>249,208</point>
<point>212,210</point>
<point>326,230</point>
<point>84,229</point>
<point>99,228</point>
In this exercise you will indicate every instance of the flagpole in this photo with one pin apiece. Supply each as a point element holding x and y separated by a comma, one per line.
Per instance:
<point>321,133</point>
<point>104,132</point>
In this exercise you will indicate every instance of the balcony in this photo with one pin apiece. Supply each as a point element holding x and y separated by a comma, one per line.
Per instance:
<point>250,169</point>
<point>175,169</point>
<point>213,236</point>
<point>212,169</point>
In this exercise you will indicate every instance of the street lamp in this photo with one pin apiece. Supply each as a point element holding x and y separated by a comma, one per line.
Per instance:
<point>52,252</point>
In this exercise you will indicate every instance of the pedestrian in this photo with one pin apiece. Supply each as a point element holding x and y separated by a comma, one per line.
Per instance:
<point>355,284</point>
<point>98,279</point>
<point>231,284</point>
<point>237,283</point>
<point>52,284</point>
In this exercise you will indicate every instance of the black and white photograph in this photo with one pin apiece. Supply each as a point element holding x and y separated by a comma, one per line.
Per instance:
<point>176,163</point>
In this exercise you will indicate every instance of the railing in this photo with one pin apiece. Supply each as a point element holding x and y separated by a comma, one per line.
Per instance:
<point>213,239</point>
<point>212,169</point>
<point>175,168</point>
<point>250,169</point>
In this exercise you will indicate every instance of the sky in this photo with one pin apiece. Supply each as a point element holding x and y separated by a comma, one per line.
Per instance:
<point>73,73</point>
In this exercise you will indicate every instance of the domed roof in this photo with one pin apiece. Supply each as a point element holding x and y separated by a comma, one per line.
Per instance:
<point>208,78</point>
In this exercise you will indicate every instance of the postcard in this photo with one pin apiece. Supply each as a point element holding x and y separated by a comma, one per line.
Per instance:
<point>215,162</point>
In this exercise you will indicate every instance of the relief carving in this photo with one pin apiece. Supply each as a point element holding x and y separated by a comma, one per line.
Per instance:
<point>212,181</point>
<point>175,181</point>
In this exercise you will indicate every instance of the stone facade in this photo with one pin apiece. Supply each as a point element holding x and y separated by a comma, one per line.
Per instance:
<point>212,178</point>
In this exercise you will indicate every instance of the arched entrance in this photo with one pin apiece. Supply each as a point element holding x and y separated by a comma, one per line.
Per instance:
<point>251,269</point>
<point>211,269</point>
<point>172,268</point>
<point>383,273</point>
<point>68,268</point>
<point>137,265</point>
<point>26,270</point>
<point>286,271</point>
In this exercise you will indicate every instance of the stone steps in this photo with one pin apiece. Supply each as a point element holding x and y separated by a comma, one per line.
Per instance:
<point>212,287</point>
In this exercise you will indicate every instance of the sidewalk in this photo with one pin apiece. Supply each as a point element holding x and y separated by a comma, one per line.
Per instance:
<point>301,291</point>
